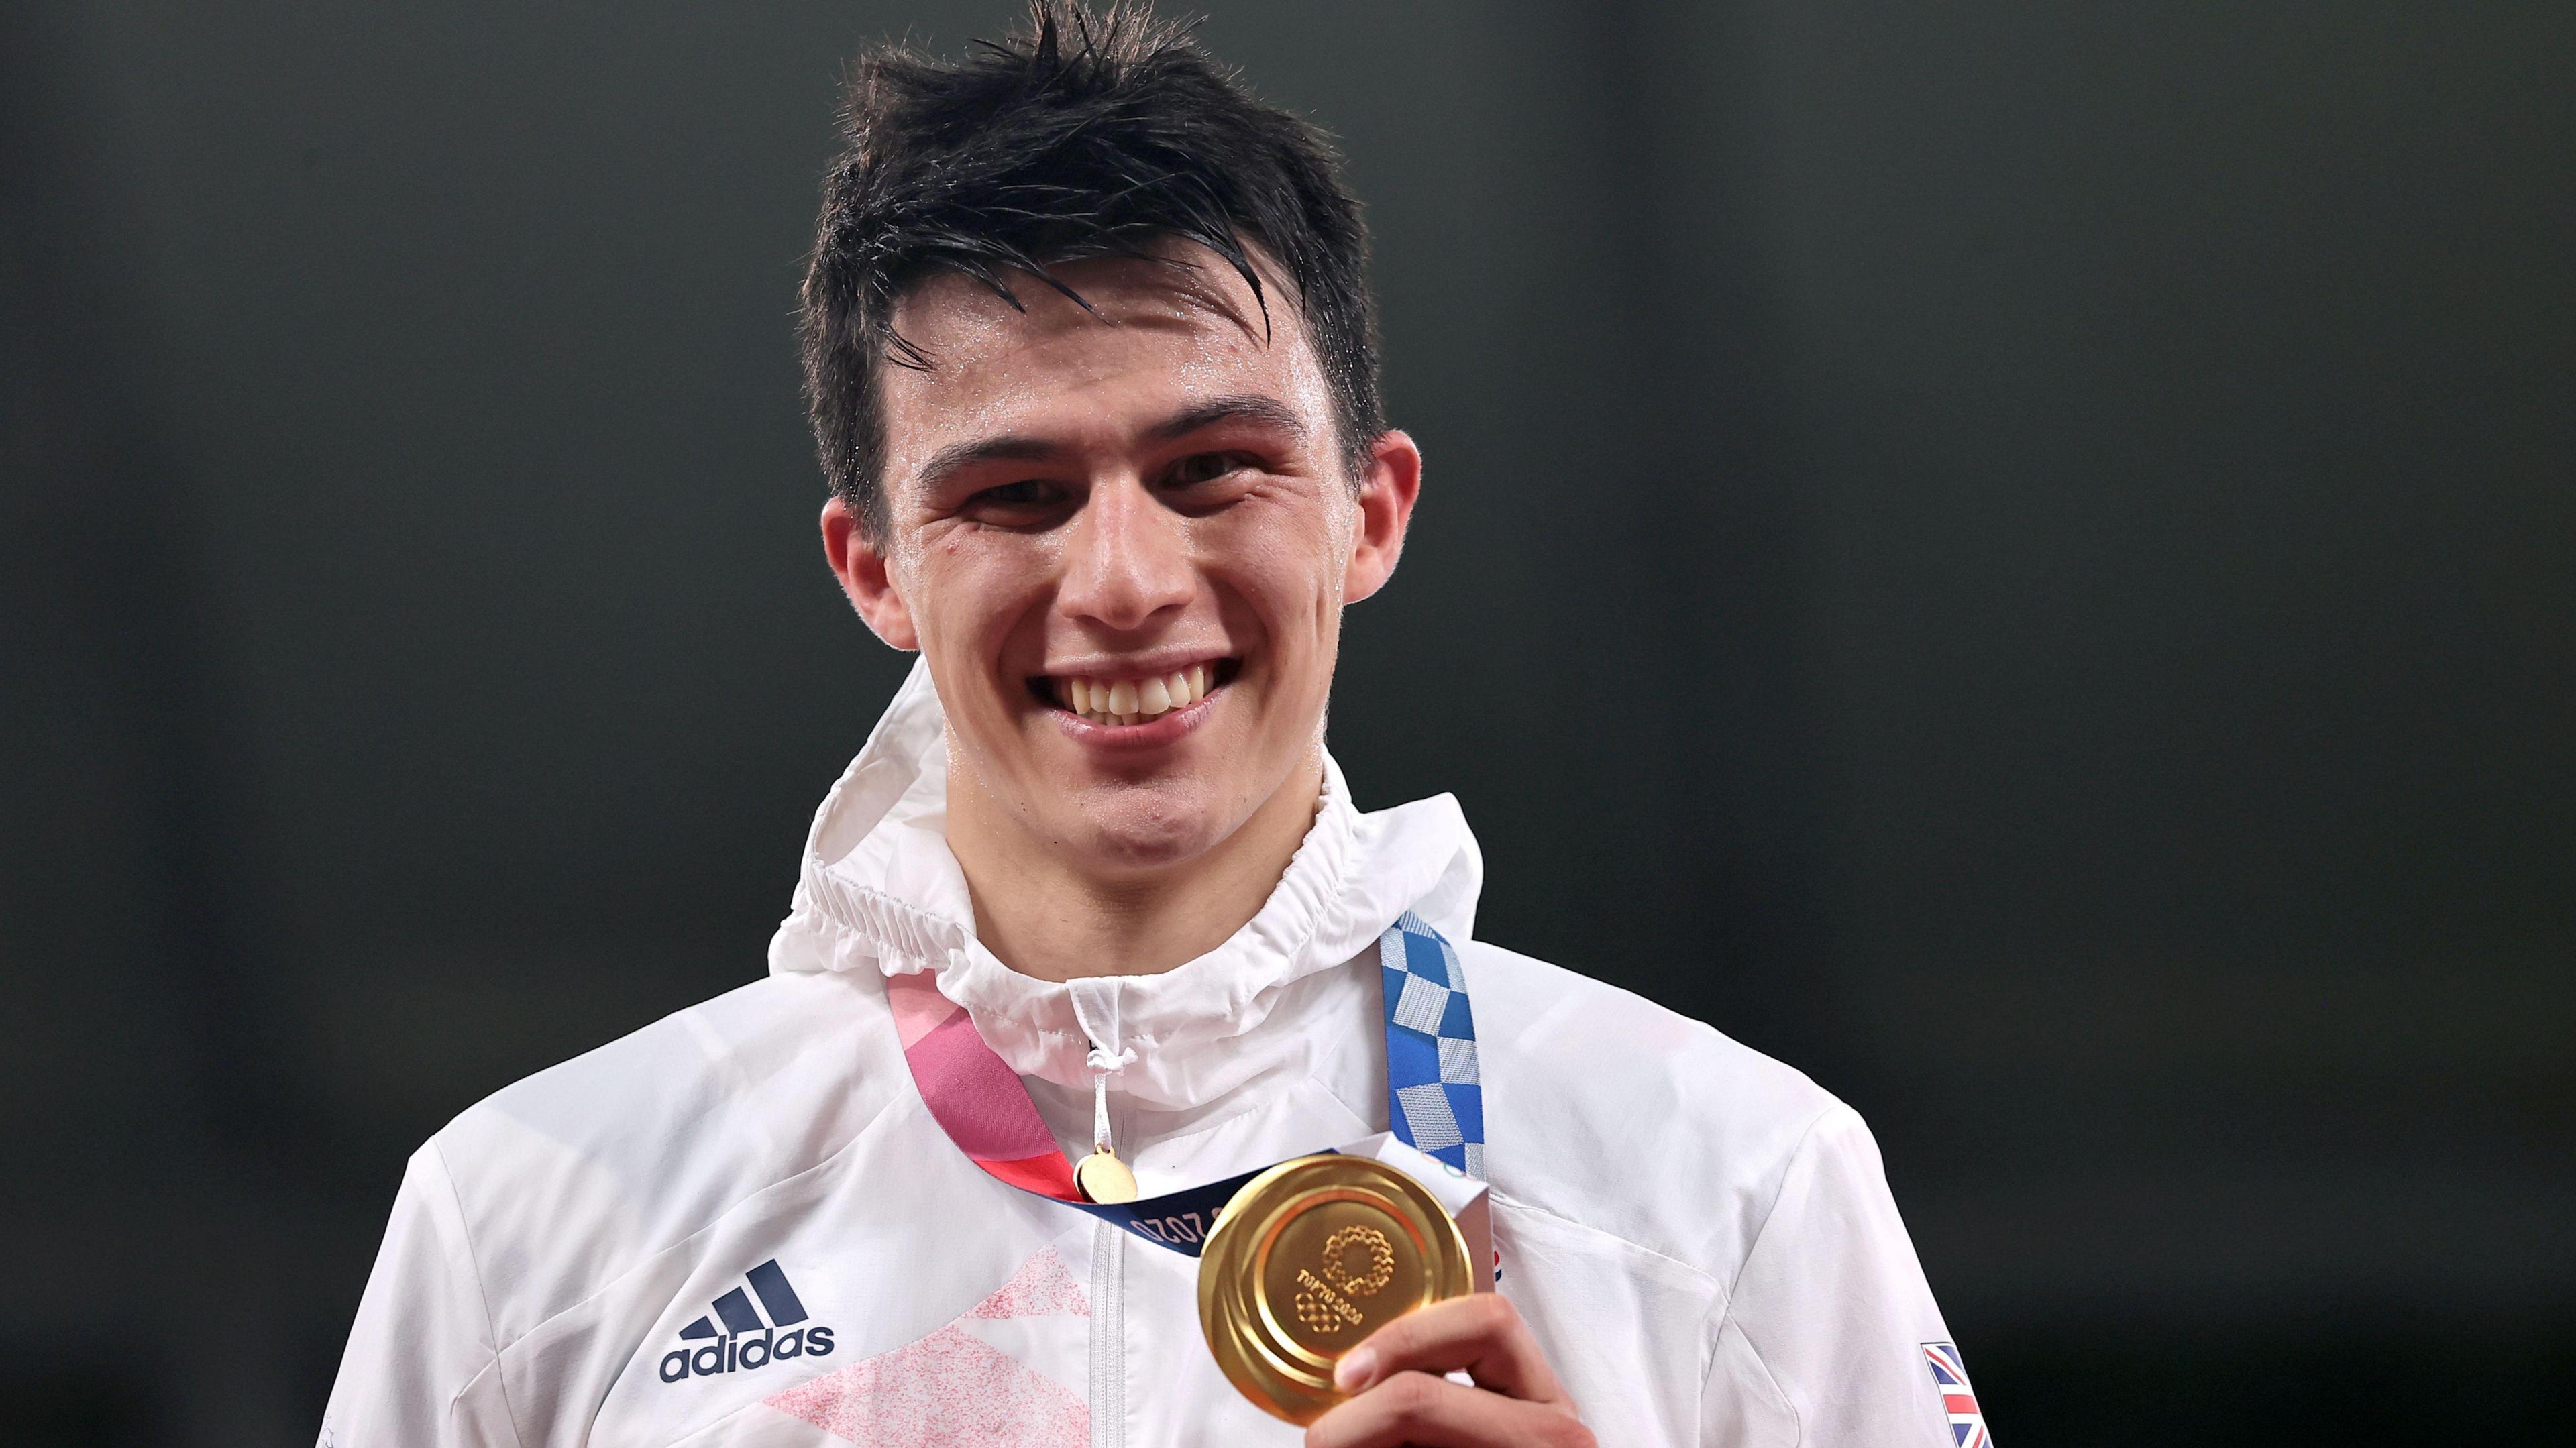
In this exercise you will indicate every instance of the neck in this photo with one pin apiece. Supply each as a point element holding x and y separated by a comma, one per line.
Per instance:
<point>1053,917</point>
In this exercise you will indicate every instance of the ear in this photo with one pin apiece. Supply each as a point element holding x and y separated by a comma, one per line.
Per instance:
<point>1386,497</point>
<point>864,576</point>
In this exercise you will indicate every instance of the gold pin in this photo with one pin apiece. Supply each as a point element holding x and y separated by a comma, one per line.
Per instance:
<point>1104,1178</point>
<point>1311,1257</point>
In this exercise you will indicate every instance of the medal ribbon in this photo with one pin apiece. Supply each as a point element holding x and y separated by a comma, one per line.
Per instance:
<point>1434,1101</point>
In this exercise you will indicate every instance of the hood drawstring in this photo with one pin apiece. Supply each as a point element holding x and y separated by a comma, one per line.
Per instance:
<point>1101,1175</point>
<point>1099,1004</point>
<point>1103,1066</point>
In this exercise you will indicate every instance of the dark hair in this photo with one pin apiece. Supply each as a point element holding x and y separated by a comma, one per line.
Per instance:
<point>1088,134</point>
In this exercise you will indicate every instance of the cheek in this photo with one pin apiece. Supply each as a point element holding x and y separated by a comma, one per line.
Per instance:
<point>972,590</point>
<point>1286,570</point>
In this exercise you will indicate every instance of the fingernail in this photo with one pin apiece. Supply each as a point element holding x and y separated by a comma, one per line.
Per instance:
<point>1354,1372</point>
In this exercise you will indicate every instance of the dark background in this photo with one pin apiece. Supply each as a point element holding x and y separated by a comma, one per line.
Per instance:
<point>2021,557</point>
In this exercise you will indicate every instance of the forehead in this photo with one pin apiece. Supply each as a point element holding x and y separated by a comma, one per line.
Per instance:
<point>1157,338</point>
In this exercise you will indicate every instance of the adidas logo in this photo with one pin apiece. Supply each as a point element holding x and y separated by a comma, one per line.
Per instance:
<point>728,1331</point>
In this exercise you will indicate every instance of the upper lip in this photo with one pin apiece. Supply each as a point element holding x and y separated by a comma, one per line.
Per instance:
<point>1135,666</point>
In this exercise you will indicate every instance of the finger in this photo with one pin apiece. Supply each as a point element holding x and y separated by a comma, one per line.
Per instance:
<point>1419,1409</point>
<point>1482,1334</point>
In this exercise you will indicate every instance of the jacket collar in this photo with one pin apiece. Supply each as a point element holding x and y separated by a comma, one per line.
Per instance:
<point>877,865</point>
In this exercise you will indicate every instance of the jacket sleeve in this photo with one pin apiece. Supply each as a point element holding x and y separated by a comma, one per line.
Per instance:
<point>1823,1337</point>
<point>421,1370</point>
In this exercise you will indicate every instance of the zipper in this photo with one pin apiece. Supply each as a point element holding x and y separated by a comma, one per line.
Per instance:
<point>1108,1336</point>
<point>1096,1003</point>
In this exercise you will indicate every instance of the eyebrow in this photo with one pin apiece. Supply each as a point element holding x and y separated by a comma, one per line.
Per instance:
<point>1237,407</point>
<point>1250,407</point>
<point>959,456</point>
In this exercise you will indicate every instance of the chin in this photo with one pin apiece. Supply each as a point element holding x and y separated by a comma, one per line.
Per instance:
<point>1131,833</point>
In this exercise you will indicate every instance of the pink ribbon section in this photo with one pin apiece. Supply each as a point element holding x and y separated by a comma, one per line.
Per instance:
<point>973,1095</point>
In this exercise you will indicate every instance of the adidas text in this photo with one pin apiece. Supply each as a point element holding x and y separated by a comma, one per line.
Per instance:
<point>736,1353</point>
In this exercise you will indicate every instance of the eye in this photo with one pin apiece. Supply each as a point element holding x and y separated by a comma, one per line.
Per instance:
<point>1207,467</point>
<point>1027,501</point>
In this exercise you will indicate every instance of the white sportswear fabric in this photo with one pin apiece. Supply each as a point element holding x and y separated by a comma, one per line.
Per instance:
<point>1701,1238</point>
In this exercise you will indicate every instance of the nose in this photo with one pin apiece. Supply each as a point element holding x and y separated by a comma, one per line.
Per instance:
<point>1126,560</point>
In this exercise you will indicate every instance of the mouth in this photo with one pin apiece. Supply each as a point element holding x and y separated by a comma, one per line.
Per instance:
<point>1130,701</point>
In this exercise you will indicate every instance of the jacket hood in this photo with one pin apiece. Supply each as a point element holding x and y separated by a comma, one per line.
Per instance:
<point>877,866</point>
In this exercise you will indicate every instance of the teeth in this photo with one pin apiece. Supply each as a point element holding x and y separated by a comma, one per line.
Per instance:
<point>1132,701</point>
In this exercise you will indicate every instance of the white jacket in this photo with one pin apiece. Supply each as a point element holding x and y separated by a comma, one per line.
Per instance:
<point>1700,1237</point>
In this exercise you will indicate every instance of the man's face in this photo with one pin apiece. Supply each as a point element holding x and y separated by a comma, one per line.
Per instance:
<point>1123,538</point>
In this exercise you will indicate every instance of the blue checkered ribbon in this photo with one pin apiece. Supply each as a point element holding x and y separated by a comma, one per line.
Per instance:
<point>1434,1102</point>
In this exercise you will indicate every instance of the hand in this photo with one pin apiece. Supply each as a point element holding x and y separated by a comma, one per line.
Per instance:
<point>1399,1396</point>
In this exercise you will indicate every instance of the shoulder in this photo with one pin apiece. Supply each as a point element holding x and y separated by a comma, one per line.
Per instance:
<point>572,1176</point>
<point>1614,1113</point>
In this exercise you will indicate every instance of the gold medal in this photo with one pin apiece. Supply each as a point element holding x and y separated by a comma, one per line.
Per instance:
<point>1307,1260</point>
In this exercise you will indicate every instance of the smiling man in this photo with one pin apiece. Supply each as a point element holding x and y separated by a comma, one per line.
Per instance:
<point>1093,368</point>
<point>1123,521</point>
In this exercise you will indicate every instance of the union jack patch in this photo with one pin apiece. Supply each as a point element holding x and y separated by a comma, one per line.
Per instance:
<point>1967,1423</point>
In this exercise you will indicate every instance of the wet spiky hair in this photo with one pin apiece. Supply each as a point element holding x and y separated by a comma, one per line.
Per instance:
<point>1088,133</point>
